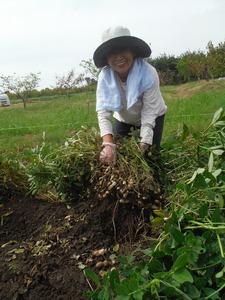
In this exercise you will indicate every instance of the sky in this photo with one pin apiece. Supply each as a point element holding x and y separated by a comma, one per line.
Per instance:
<point>54,36</point>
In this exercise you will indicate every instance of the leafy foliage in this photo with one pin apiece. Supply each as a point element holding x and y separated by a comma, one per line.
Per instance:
<point>187,260</point>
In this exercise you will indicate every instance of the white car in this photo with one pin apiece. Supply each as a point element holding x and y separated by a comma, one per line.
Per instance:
<point>4,100</point>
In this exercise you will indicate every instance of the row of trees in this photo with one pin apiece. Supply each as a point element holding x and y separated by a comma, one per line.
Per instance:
<point>191,65</point>
<point>172,70</point>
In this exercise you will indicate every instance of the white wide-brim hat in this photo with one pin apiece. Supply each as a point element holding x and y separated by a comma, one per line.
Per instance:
<point>119,38</point>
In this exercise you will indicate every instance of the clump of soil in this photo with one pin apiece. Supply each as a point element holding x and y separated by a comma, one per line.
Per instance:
<point>44,245</point>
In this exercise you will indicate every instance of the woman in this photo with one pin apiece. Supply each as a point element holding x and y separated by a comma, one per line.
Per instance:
<point>128,87</point>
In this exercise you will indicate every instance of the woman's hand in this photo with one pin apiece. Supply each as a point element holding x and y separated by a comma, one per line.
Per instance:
<point>143,146</point>
<point>108,154</point>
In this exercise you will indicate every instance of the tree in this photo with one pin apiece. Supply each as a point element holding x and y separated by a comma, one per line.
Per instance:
<point>166,67</point>
<point>197,61</point>
<point>216,60</point>
<point>69,81</point>
<point>90,70</point>
<point>21,86</point>
<point>184,66</point>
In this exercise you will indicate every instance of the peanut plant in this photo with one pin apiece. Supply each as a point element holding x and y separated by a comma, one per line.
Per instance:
<point>73,172</point>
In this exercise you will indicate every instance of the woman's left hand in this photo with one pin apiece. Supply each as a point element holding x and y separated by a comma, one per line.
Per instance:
<point>143,146</point>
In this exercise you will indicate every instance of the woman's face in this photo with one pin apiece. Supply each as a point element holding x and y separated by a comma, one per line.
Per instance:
<point>121,61</point>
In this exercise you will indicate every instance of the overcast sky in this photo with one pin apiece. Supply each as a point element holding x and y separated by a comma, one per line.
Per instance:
<point>54,36</point>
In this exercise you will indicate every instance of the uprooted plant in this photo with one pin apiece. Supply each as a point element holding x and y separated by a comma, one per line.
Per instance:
<point>73,172</point>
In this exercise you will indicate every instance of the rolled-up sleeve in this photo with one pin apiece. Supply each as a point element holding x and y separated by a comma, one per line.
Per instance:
<point>104,121</point>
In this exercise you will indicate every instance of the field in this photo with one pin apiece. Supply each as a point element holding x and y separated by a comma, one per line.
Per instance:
<point>193,104</point>
<point>59,241</point>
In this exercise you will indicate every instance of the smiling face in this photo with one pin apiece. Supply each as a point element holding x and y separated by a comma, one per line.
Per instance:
<point>121,62</point>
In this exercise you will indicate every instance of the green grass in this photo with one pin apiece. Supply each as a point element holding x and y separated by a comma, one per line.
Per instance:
<point>196,112</point>
<point>193,104</point>
<point>22,128</point>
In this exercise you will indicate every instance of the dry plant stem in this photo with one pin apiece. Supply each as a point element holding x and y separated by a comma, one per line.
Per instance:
<point>113,219</point>
<point>89,284</point>
<point>141,223</point>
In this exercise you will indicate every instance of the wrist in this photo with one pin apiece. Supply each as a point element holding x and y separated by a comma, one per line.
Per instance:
<point>109,144</point>
<point>107,138</point>
<point>143,143</point>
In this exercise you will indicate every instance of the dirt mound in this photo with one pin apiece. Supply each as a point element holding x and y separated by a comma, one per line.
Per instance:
<point>187,90</point>
<point>45,246</point>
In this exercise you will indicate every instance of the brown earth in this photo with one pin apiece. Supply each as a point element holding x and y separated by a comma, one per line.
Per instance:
<point>45,246</point>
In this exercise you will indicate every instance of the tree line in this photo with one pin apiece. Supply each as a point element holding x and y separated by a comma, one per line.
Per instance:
<point>189,66</point>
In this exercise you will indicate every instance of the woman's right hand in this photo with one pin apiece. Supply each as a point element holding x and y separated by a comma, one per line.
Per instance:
<point>108,154</point>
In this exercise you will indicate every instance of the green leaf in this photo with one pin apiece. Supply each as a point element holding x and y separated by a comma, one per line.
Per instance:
<point>157,222</point>
<point>155,265</point>
<point>182,275</point>
<point>208,292</point>
<point>220,199</point>
<point>89,274</point>
<point>216,147</point>
<point>220,274</point>
<point>198,171</point>
<point>159,213</point>
<point>114,280</point>
<point>116,248</point>
<point>210,162</point>
<point>176,234</point>
<point>216,173</point>
<point>220,123</point>
<point>130,258</point>
<point>105,280</point>
<point>216,215</point>
<point>138,295</point>
<point>196,245</point>
<point>192,291</point>
<point>122,297</point>
<point>122,260</point>
<point>180,262</point>
<point>203,211</point>
<point>122,289</point>
<point>200,182</point>
<point>217,115</point>
<point>104,294</point>
<point>161,275</point>
<point>155,284</point>
<point>91,295</point>
<point>185,132</point>
<point>218,152</point>
<point>112,256</point>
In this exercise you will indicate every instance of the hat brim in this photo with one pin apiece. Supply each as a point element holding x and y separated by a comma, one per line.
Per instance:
<point>138,46</point>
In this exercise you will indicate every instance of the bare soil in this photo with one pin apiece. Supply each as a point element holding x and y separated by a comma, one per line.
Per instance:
<point>44,246</point>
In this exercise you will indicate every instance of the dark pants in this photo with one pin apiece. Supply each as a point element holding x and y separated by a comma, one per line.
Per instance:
<point>122,129</point>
